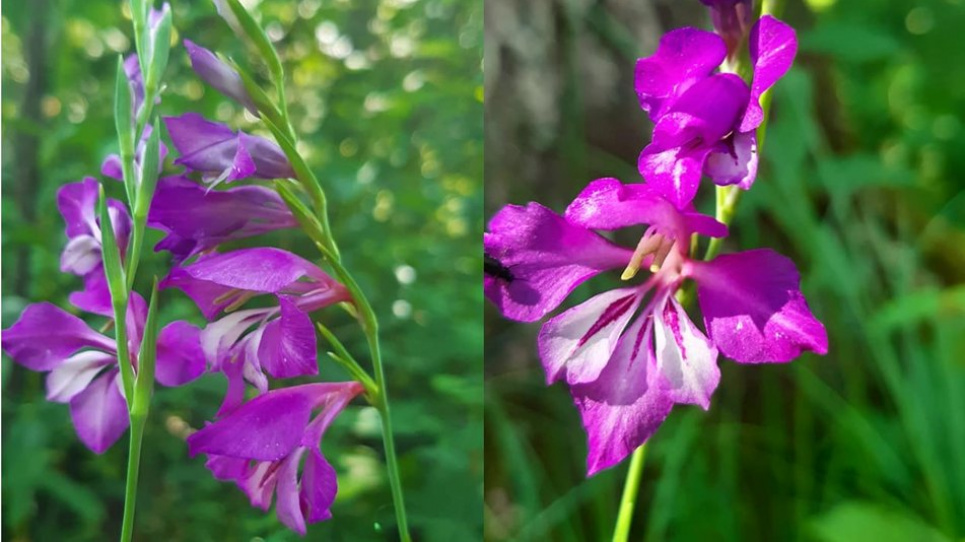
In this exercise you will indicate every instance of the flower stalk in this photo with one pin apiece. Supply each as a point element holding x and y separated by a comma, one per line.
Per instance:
<point>152,32</point>
<point>315,223</point>
<point>629,500</point>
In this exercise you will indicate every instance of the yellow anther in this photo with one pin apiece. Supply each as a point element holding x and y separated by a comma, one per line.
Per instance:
<point>647,244</point>
<point>661,255</point>
<point>226,296</point>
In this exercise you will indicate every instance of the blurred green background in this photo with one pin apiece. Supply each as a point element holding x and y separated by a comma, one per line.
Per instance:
<point>387,96</point>
<point>861,184</point>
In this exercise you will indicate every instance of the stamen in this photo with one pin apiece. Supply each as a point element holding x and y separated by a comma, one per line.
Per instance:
<point>245,296</point>
<point>661,255</point>
<point>226,296</point>
<point>650,241</point>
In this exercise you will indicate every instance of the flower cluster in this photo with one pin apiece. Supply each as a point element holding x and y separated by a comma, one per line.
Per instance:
<point>258,444</point>
<point>630,354</point>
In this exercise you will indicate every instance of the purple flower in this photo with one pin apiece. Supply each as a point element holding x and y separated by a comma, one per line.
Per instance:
<point>132,68</point>
<point>82,255</point>
<point>731,20</point>
<point>260,445</point>
<point>111,166</point>
<point>198,219</point>
<point>282,342</point>
<point>223,155</point>
<point>82,364</point>
<point>630,354</point>
<point>706,122</point>
<point>219,75</point>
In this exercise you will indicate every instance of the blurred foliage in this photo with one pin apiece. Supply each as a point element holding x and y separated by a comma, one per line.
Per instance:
<point>387,97</point>
<point>861,184</point>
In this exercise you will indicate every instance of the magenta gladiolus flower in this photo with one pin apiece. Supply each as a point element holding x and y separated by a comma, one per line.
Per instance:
<point>704,122</point>
<point>259,447</point>
<point>222,154</point>
<point>198,219</point>
<point>630,354</point>
<point>282,341</point>
<point>82,364</point>
<point>82,255</point>
<point>219,75</point>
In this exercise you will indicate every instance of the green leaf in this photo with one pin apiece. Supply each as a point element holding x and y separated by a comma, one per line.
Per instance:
<point>160,44</point>
<point>857,520</point>
<point>148,173</point>
<point>302,213</point>
<point>111,253</point>
<point>253,31</point>
<point>920,305</point>
<point>147,357</point>
<point>262,102</point>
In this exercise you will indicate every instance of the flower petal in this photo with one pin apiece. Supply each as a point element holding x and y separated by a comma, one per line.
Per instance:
<point>180,358</point>
<point>734,161</point>
<point>262,270</point>
<point>621,409</point>
<point>96,296</point>
<point>541,259</point>
<point>704,114</point>
<point>100,413</point>
<point>77,203</point>
<point>754,310</point>
<point>686,360</point>
<point>219,75</point>
<point>684,57</point>
<point>220,337</point>
<point>81,255</point>
<point>270,160</point>
<point>319,486</point>
<point>576,344</point>
<point>198,219</point>
<point>46,335</point>
<point>288,348</point>
<point>608,204</point>
<point>267,428</point>
<point>203,145</point>
<point>75,374</point>
<point>675,172</point>
<point>227,469</point>
<point>215,149</point>
<point>773,45</point>
<point>288,508</point>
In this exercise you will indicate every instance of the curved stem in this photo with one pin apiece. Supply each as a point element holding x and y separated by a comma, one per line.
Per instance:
<point>370,325</point>
<point>327,245</point>
<point>391,463</point>
<point>629,500</point>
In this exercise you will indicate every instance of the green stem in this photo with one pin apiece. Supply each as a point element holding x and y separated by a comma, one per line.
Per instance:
<point>326,244</point>
<point>391,462</point>
<point>123,355</point>
<point>134,253</point>
<point>133,466</point>
<point>629,500</point>
<point>343,356</point>
<point>370,325</point>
